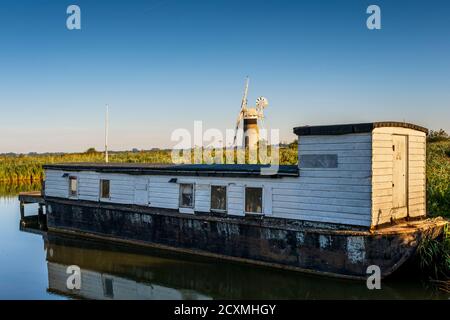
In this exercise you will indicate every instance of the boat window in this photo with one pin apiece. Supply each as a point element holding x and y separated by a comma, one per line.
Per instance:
<point>186,195</point>
<point>104,189</point>
<point>253,200</point>
<point>73,186</point>
<point>108,287</point>
<point>219,198</point>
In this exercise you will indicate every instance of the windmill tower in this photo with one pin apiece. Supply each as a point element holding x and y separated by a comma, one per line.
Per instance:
<point>250,116</point>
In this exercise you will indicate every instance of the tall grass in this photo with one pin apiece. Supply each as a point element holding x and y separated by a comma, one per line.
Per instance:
<point>438,178</point>
<point>434,259</point>
<point>10,190</point>
<point>29,167</point>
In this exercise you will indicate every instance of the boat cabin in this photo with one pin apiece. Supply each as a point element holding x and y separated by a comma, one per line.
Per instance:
<point>364,175</point>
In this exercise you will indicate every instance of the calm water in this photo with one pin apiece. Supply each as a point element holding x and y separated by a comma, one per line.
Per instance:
<point>33,266</point>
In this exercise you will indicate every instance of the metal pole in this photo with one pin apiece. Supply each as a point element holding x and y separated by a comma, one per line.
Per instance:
<point>106,134</point>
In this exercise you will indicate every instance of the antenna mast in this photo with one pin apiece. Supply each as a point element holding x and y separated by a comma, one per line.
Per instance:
<point>106,134</point>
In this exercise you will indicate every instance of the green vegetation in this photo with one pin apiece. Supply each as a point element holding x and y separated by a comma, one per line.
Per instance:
<point>434,254</point>
<point>438,178</point>
<point>434,259</point>
<point>16,168</point>
<point>11,190</point>
<point>439,135</point>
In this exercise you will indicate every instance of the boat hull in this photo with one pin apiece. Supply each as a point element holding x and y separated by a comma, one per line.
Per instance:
<point>327,250</point>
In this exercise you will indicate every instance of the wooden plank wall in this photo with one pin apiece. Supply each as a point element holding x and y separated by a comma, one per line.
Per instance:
<point>382,202</point>
<point>341,194</point>
<point>165,194</point>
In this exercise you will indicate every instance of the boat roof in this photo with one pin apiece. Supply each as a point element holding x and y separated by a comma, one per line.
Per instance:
<point>337,129</point>
<point>224,170</point>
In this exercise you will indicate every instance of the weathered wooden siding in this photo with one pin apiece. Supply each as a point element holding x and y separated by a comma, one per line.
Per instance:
<point>165,194</point>
<point>88,185</point>
<point>56,185</point>
<point>382,164</point>
<point>340,194</point>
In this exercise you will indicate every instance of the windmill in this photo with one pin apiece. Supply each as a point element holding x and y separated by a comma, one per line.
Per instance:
<point>250,116</point>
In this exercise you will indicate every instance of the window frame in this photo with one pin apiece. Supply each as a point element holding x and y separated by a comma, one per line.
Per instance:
<point>262,200</point>
<point>226,198</point>
<point>180,196</point>
<point>106,282</point>
<point>101,189</point>
<point>70,187</point>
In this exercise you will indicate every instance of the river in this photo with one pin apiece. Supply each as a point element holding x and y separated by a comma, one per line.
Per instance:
<point>33,266</point>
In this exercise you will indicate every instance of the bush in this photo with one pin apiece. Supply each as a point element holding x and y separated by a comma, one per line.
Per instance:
<point>434,256</point>
<point>435,136</point>
<point>438,178</point>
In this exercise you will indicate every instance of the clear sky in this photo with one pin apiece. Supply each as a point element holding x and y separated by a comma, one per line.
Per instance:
<point>162,64</point>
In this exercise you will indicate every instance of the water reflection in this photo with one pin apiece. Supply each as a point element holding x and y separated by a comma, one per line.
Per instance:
<point>107,273</point>
<point>110,271</point>
<point>11,190</point>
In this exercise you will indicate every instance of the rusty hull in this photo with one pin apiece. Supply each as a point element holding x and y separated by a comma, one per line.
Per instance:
<point>332,250</point>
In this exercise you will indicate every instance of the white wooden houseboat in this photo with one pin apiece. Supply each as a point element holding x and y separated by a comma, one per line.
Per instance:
<point>356,198</point>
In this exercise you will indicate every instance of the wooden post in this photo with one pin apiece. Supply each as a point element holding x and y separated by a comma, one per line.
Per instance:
<point>40,214</point>
<point>22,210</point>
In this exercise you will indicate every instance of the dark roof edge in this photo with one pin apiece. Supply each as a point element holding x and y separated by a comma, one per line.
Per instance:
<point>353,128</point>
<point>165,172</point>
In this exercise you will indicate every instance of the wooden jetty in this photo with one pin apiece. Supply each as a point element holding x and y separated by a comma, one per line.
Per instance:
<point>32,197</point>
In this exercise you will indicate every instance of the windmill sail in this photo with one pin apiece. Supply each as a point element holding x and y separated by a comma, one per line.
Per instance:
<point>243,108</point>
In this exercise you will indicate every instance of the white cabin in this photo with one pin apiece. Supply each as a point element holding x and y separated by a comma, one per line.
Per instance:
<point>362,175</point>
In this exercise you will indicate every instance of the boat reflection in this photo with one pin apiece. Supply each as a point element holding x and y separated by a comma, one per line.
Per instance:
<point>116,271</point>
<point>112,271</point>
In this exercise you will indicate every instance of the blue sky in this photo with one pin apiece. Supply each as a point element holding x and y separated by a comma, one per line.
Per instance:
<point>162,64</point>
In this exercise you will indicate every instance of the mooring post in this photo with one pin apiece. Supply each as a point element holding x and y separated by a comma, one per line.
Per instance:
<point>40,213</point>
<point>22,210</point>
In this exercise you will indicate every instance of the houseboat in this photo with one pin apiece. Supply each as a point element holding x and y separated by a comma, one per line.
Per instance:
<point>356,198</point>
